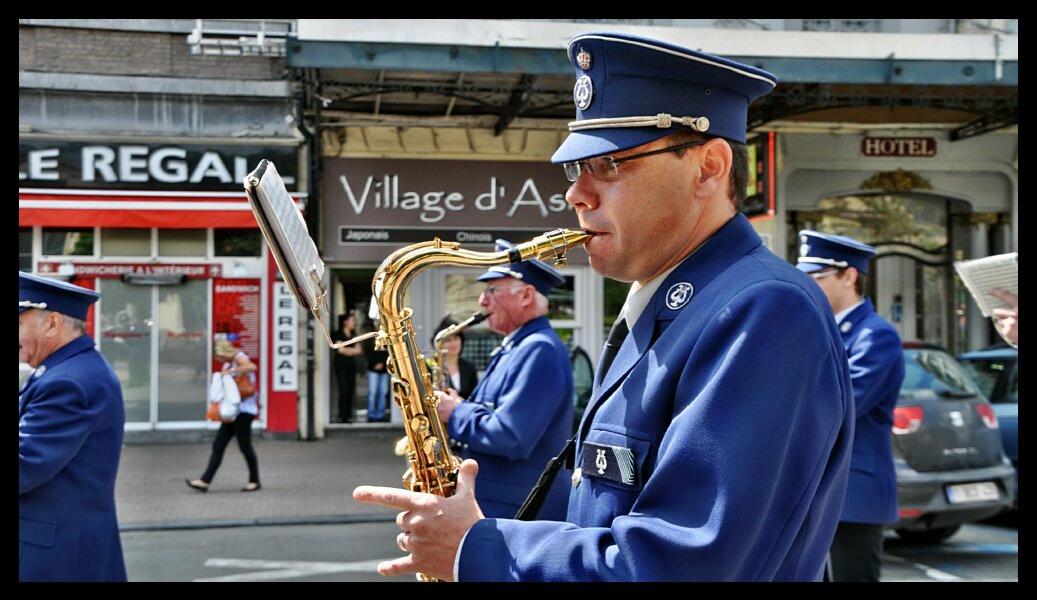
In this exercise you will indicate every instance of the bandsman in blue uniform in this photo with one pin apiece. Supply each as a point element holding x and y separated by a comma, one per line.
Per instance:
<point>70,427</point>
<point>516,418</point>
<point>839,265</point>
<point>717,441</point>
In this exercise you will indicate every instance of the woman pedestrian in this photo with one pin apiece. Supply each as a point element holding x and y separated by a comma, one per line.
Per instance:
<point>237,363</point>
<point>345,366</point>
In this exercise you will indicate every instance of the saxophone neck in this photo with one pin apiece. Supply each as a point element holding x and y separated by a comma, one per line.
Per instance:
<point>400,267</point>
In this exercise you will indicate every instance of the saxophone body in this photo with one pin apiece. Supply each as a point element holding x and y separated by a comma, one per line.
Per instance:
<point>432,467</point>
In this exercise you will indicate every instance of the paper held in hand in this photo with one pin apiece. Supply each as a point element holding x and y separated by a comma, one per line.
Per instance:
<point>984,274</point>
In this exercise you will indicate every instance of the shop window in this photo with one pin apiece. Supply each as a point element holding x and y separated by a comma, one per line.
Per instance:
<point>182,242</point>
<point>67,242</point>
<point>125,242</point>
<point>237,242</point>
<point>562,301</point>
<point>25,249</point>
<point>614,296</point>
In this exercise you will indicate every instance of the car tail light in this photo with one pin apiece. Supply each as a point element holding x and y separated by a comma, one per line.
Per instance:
<point>909,512</point>
<point>907,419</point>
<point>987,413</point>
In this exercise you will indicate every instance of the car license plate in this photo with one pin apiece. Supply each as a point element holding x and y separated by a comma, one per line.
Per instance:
<point>972,492</point>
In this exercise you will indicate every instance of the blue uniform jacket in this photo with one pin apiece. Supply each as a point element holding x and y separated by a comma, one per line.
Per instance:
<point>876,371</point>
<point>70,427</point>
<point>735,425</point>
<point>517,419</point>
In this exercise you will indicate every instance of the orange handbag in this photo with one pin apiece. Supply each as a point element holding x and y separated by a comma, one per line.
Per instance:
<point>245,386</point>
<point>213,412</point>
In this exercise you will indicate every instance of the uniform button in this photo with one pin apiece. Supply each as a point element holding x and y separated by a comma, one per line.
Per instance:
<point>577,477</point>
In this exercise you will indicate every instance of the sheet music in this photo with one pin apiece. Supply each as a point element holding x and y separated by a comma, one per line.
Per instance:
<point>984,274</point>
<point>294,243</point>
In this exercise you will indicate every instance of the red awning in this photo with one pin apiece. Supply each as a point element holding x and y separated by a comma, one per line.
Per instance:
<point>134,209</point>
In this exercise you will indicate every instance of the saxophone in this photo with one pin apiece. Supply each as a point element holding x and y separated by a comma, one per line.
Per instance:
<point>435,365</point>
<point>432,468</point>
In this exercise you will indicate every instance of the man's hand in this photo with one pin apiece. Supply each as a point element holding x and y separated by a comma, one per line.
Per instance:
<point>1007,319</point>
<point>432,526</point>
<point>448,401</point>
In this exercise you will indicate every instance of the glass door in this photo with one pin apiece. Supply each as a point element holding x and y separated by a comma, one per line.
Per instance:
<point>183,350</point>
<point>155,338</point>
<point>125,340</point>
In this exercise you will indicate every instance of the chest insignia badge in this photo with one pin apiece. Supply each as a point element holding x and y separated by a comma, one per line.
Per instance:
<point>678,295</point>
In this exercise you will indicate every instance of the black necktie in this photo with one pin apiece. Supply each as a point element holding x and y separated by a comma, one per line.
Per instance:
<point>616,336</point>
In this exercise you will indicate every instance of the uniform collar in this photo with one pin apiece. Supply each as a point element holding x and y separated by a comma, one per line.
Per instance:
<point>678,291</point>
<point>81,343</point>
<point>842,314</point>
<point>853,316</point>
<point>640,295</point>
<point>529,327</point>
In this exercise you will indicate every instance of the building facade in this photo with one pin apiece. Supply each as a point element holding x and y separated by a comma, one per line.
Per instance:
<point>134,140</point>
<point>134,136</point>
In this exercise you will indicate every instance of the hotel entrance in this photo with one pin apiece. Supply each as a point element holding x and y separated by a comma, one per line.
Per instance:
<point>911,280</point>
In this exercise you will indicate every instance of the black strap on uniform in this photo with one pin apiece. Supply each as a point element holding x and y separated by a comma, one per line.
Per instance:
<point>536,497</point>
<point>529,509</point>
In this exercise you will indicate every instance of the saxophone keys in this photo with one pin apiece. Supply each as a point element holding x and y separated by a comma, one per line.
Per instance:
<point>432,446</point>
<point>419,424</point>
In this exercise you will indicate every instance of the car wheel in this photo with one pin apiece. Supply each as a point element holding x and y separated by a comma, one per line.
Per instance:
<point>928,536</point>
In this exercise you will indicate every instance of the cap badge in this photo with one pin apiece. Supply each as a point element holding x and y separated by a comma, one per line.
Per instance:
<point>678,295</point>
<point>583,92</point>
<point>804,250</point>
<point>583,59</point>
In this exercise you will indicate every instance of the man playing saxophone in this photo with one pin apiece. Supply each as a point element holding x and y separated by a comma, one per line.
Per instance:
<point>515,419</point>
<point>716,445</point>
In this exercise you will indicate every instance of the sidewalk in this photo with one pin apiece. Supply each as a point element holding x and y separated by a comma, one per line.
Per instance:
<point>303,482</point>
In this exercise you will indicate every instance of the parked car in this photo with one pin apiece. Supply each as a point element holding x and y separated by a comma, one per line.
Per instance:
<point>996,372</point>
<point>951,467</point>
<point>583,382</point>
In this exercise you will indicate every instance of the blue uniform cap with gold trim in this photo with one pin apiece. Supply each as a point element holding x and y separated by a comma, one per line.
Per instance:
<point>536,273</point>
<point>824,250</point>
<point>54,295</point>
<point>632,90</point>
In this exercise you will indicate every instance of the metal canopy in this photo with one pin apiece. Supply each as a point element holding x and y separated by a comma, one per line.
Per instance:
<point>509,83</point>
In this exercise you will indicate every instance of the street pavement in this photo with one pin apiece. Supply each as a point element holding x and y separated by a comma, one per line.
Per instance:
<point>303,482</point>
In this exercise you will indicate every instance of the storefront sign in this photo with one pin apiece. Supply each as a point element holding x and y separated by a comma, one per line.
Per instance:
<point>898,146</point>
<point>235,315</point>
<point>394,235</point>
<point>286,368</point>
<point>446,193</point>
<point>759,193</point>
<point>89,165</point>
<point>406,201</point>
<point>114,270</point>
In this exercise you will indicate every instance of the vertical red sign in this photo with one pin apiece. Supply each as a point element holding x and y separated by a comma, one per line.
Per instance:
<point>90,284</point>
<point>235,316</point>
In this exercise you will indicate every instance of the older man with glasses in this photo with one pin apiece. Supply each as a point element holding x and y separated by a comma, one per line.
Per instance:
<point>521,413</point>
<point>70,426</point>
<point>716,443</point>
